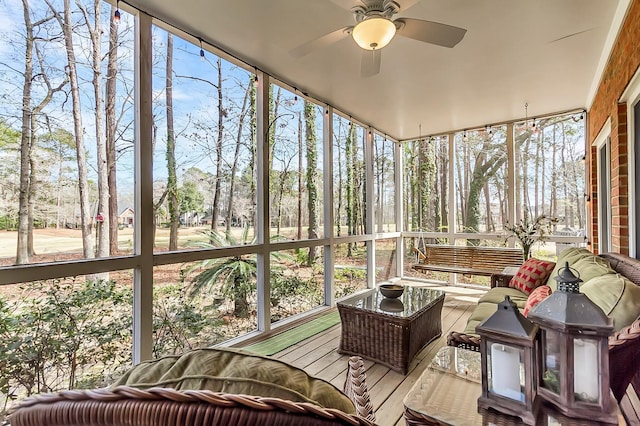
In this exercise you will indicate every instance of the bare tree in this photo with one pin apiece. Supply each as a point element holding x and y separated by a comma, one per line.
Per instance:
<point>349,186</point>
<point>110,116</point>
<point>218,157</point>
<point>28,137</point>
<point>85,214</point>
<point>245,111</point>
<point>172,183</point>
<point>95,34</point>
<point>312,166</point>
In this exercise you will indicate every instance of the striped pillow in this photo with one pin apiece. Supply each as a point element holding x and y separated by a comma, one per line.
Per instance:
<point>536,296</point>
<point>532,273</point>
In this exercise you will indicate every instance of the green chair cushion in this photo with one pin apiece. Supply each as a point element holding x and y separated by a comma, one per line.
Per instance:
<point>592,267</point>
<point>582,260</point>
<point>571,255</point>
<point>237,372</point>
<point>618,297</point>
<point>497,294</point>
<point>479,314</point>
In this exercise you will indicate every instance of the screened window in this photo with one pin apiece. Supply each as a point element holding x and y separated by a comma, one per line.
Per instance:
<point>204,162</point>
<point>481,179</point>
<point>296,168</point>
<point>384,184</point>
<point>426,184</point>
<point>348,177</point>
<point>550,171</point>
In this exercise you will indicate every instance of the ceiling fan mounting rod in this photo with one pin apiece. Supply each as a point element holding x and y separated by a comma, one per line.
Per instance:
<point>375,8</point>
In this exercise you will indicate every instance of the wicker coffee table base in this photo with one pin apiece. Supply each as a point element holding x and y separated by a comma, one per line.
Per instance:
<point>388,339</point>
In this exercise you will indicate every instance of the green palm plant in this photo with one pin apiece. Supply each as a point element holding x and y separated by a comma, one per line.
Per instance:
<point>234,276</point>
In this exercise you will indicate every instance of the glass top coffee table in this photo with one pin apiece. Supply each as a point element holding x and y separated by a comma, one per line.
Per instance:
<point>447,394</point>
<point>391,331</point>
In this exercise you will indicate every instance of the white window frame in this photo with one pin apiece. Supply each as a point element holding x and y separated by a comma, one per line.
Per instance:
<point>631,96</point>
<point>603,140</point>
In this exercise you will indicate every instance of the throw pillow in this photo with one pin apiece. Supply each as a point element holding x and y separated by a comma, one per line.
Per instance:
<point>531,274</point>
<point>536,296</point>
<point>234,371</point>
<point>573,255</point>
<point>618,297</point>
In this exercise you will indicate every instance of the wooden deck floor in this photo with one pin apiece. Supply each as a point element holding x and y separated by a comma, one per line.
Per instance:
<point>317,355</point>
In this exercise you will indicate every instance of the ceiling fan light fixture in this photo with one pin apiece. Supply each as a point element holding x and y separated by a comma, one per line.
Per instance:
<point>374,33</point>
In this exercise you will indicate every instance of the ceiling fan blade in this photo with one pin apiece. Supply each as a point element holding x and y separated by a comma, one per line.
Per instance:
<point>325,40</point>
<point>571,35</point>
<point>370,63</point>
<point>430,32</point>
<point>405,4</point>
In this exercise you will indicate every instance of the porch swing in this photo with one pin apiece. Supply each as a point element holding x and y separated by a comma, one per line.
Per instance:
<point>420,249</point>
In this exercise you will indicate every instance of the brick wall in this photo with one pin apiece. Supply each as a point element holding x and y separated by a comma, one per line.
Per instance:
<point>621,67</point>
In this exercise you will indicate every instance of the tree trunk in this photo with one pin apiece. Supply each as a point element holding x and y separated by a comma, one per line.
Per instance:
<point>240,303</point>
<point>553,201</point>
<point>218,183</point>
<point>102,226</point>
<point>444,179</point>
<point>300,166</point>
<point>33,181</point>
<point>526,198</point>
<point>110,112</point>
<point>338,193</point>
<point>252,161</point>
<point>490,227</point>
<point>83,187</point>
<point>172,181</point>
<point>312,165</point>
<point>236,155</point>
<point>349,192</point>
<point>22,254</point>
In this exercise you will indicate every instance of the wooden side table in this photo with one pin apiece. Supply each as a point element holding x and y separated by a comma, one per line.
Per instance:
<point>448,390</point>
<point>391,331</point>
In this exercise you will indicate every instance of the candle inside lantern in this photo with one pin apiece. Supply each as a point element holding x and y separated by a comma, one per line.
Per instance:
<point>586,384</point>
<point>505,371</point>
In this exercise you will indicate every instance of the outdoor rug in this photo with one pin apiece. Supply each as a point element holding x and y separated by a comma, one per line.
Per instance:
<point>297,334</point>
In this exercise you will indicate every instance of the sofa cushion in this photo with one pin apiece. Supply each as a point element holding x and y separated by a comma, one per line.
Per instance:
<point>587,264</point>
<point>497,294</point>
<point>571,255</point>
<point>482,311</point>
<point>531,274</point>
<point>591,267</point>
<point>237,372</point>
<point>536,296</point>
<point>618,297</point>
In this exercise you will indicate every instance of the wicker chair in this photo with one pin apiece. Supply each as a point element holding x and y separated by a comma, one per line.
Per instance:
<point>624,345</point>
<point>127,406</point>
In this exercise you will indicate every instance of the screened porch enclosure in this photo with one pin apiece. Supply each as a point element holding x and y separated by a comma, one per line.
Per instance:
<point>192,199</point>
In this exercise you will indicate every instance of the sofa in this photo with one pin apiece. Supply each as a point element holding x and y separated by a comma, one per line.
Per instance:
<point>610,280</point>
<point>210,386</point>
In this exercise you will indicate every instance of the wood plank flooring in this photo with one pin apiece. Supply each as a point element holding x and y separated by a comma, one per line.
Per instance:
<point>317,355</point>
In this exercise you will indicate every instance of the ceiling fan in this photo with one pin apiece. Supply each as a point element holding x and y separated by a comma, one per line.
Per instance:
<point>374,29</point>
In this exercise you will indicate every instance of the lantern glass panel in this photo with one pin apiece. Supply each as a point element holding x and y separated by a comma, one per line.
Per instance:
<point>586,380</point>
<point>551,377</point>
<point>506,371</point>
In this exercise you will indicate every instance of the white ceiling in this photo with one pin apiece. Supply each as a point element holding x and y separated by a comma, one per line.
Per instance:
<point>543,52</point>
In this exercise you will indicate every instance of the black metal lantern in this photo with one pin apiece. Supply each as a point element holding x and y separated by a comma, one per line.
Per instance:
<point>507,350</point>
<point>573,367</point>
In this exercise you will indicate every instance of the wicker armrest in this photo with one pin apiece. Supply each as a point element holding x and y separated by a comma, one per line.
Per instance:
<point>465,341</point>
<point>624,362</point>
<point>500,280</point>
<point>129,406</point>
<point>355,387</point>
